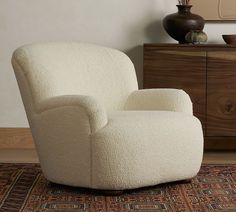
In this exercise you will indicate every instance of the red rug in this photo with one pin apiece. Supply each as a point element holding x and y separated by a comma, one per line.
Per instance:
<point>24,188</point>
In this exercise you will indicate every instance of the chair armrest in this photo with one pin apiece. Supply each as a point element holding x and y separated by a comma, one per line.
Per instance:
<point>160,99</point>
<point>87,105</point>
<point>62,127</point>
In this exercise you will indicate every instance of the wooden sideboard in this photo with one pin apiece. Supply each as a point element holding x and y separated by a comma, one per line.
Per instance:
<point>208,74</point>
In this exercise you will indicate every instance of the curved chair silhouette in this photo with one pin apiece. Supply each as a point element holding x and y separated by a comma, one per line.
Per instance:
<point>93,128</point>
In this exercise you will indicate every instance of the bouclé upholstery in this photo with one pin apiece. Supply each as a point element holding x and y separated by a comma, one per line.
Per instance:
<point>93,128</point>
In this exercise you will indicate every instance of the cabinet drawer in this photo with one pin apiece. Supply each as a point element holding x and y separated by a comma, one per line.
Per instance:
<point>221,93</point>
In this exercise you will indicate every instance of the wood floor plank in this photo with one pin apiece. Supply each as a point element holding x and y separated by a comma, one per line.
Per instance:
<point>16,138</point>
<point>18,156</point>
<point>16,146</point>
<point>30,156</point>
<point>219,157</point>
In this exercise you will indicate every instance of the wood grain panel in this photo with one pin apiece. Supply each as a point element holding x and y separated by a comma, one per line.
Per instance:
<point>16,138</point>
<point>221,93</point>
<point>176,68</point>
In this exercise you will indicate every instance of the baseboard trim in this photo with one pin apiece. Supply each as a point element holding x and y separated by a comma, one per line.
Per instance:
<point>16,138</point>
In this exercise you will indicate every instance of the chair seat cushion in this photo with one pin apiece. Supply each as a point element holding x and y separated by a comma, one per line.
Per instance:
<point>140,148</point>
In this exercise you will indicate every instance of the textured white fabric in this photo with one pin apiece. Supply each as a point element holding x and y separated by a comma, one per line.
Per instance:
<point>55,69</point>
<point>62,138</point>
<point>94,112</point>
<point>160,99</point>
<point>93,128</point>
<point>64,124</point>
<point>141,148</point>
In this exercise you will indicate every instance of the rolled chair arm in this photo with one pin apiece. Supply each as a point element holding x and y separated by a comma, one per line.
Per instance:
<point>96,114</point>
<point>61,127</point>
<point>160,99</point>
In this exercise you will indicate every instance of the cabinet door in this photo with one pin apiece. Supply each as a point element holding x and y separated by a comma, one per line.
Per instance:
<point>221,93</point>
<point>178,69</point>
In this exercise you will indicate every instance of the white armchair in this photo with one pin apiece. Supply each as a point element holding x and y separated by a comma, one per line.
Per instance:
<point>93,128</point>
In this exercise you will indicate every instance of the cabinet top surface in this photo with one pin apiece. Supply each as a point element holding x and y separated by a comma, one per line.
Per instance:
<point>190,46</point>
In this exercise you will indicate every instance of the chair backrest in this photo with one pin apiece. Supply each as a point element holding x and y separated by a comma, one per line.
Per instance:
<point>45,70</point>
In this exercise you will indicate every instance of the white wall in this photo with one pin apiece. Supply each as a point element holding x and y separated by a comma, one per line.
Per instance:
<point>122,24</point>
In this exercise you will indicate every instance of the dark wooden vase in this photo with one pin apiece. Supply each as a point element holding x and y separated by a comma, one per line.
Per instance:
<point>177,25</point>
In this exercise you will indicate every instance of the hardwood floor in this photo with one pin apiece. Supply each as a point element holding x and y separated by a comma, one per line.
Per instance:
<point>220,157</point>
<point>30,156</point>
<point>18,156</point>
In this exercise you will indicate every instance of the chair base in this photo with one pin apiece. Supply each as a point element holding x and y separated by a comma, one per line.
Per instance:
<point>111,192</point>
<point>187,181</point>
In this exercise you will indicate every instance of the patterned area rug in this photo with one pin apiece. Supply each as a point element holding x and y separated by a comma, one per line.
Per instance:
<point>24,188</point>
